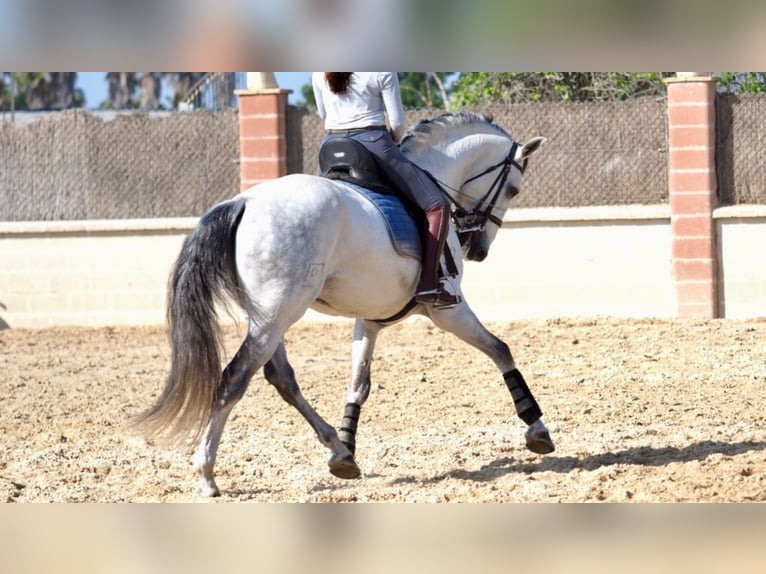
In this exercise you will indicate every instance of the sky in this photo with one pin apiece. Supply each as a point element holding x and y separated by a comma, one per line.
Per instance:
<point>96,90</point>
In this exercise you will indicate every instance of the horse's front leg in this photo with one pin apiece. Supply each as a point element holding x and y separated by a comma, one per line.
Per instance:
<point>279,373</point>
<point>365,335</point>
<point>462,322</point>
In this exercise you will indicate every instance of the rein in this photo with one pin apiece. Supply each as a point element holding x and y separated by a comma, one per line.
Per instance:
<point>476,219</point>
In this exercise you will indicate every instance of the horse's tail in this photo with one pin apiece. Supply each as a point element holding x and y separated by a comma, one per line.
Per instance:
<point>203,275</point>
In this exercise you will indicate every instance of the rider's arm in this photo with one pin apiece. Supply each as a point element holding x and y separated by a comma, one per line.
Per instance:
<point>318,82</point>
<point>392,98</point>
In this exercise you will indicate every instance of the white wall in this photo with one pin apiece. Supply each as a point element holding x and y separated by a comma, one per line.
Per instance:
<point>576,262</point>
<point>742,260</point>
<point>87,273</point>
<point>607,261</point>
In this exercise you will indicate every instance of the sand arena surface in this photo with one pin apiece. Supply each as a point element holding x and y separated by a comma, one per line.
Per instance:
<point>640,410</point>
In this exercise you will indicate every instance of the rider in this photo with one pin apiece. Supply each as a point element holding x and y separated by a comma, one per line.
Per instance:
<point>355,105</point>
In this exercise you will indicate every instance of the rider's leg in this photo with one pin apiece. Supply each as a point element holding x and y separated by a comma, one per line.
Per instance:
<point>421,190</point>
<point>430,289</point>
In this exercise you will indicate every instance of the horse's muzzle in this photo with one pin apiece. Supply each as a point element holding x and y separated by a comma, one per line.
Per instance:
<point>480,255</point>
<point>473,247</point>
<point>475,252</point>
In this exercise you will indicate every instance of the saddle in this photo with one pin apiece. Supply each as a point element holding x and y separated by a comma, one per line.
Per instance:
<point>348,160</point>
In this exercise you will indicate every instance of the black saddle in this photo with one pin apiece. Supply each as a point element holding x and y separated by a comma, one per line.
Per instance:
<point>348,160</point>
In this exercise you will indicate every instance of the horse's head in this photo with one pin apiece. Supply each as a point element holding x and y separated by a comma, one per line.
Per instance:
<point>478,166</point>
<point>485,199</point>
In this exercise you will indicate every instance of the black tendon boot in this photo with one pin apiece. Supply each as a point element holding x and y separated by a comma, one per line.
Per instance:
<point>430,290</point>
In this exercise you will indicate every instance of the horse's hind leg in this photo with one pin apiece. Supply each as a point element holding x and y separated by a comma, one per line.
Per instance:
<point>279,373</point>
<point>234,381</point>
<point>365,335</point>
<point>462,322</point>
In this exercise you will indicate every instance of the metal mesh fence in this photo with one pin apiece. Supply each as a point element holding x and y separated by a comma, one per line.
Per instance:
<point>741,135</point>
<point>75,165</point>
<point>596,153</point>
<point>78,165</point>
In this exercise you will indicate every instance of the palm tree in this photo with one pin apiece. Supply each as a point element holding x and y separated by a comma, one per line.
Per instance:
<point>181,83</point>
<point>150,86</point>
<point>121,88</point>
<point>8,92</point>
<point>61,91</point>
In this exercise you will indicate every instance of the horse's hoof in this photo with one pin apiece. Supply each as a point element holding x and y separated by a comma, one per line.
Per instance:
<point>344,467</point>
<point>540,442</point>
<point>209,492</point>
<point>208,489</point>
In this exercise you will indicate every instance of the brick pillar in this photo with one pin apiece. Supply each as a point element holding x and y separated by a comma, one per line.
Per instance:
<point>692,187</point>
<point>262,134</point>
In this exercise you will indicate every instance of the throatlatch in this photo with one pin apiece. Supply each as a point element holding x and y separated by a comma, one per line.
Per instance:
<point>526,405</point>
<point>347,432</point>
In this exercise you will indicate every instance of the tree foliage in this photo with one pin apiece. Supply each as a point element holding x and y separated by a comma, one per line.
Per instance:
<point>471,88</point>
<point>143,90</point>
<point>424,89</point>
<point>742,82</point>
<point>307,91</point>
<point>40,91</point>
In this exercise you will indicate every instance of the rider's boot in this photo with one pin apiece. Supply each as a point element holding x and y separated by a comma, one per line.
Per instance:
<point>430,290</point>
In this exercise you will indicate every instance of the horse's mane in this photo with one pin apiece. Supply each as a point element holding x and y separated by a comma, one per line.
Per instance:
<point>424,131</point>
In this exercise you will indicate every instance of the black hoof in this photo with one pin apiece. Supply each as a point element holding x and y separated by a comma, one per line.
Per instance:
<point>540,443</point>
<point>344,468</point>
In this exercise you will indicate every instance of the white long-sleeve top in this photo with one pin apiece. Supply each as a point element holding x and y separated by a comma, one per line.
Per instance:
<point>369,98</point>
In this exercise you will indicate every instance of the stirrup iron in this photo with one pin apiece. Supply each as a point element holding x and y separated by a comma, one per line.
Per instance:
<point>433,297</point>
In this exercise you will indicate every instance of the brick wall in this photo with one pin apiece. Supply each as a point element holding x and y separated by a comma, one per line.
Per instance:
<point>262,135</point>
<point>692,191</point>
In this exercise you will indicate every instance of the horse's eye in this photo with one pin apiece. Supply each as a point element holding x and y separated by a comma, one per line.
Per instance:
<point>513,192</point>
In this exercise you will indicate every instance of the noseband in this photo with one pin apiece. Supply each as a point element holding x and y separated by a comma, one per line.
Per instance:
<point>475,220</point>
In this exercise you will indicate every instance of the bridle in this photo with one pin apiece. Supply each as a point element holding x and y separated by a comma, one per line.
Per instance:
<point>475,220</point>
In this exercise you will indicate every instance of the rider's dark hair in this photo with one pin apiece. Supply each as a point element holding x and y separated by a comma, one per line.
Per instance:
<point>338,81</point>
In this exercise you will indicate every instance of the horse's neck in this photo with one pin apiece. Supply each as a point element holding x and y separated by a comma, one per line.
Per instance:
<point>453,162</point>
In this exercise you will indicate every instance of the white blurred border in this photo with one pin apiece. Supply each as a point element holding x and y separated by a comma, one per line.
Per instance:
<point>382,538</point>
<point>231,35</point>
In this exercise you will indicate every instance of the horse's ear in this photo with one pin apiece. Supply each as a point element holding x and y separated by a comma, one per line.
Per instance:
<point>532,146</point>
